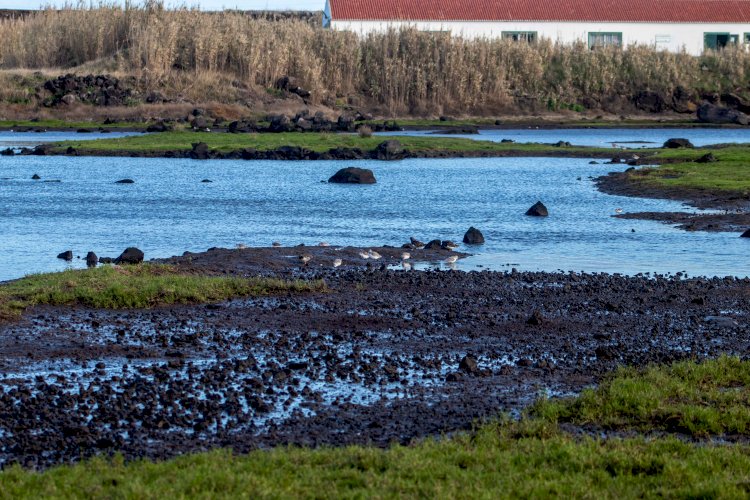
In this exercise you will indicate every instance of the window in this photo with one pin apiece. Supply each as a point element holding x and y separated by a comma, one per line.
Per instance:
<point>719,40</point>
<point>747,38</point>
<point>520,36</point>
<point>597,40</point>
<point>663,39</point>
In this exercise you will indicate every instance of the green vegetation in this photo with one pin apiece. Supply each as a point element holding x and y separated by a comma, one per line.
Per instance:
<point>532,457</point>
<point>320,142</point>
<point>730,174</point>
<point>142,286</point>
<point>64,124</point>
<point>711,398</point>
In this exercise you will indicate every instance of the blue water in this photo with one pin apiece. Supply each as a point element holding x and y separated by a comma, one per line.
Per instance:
<point>631,138</point>
<point>168,211</point>
<point>11,139</point>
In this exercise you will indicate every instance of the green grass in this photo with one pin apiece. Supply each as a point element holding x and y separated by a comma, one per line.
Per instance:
<point>696,399</point>
<point>528,458</point>
<point>62,124</point>
<point>731,174</point>
<point>182,140</point>
<point>127,287</point>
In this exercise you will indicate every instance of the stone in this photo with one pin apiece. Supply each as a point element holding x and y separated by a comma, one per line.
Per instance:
<point>535,319</point>
<point>746,234</point>
<point>131,255</point>
<point>678,143</point>
<point>7,152</point>
<point>390,150</point>
<point>353,175</point>
<point>66,255</point>
<point>473,236</point>
<point>91,259</point>
<point>200,151</point>
<point>434,245</point>
<point>707,158</point>
<point>159,127</point>
<point>469,365</point>
<point>125,181</point>
<point>35,177</point>
<point>710,113</point>
<point>538,210</point>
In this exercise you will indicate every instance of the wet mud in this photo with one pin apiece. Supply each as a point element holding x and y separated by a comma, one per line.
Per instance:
<point>384,356</point>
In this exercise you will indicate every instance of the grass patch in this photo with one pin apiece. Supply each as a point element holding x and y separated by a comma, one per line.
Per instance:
<point>183,140</point>
<point>730,174</point>
<point>527,458</point>
<point>131,287</point>
<point>64,124</point>
<point>711,398</point>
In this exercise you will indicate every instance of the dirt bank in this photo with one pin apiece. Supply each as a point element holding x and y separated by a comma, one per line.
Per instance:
<point>381,357</point>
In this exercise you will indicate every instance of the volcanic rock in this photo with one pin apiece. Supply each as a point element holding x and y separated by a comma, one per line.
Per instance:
<point>125,181</point>
<point>710,113</point>
<point>353,175</point>
<point>91,259</point>
<point>538,210</point>
<point>390,150</point>
<point>66,255</point>
<point>678,143</point>
<point>473,236</point>
<point>131,255</point>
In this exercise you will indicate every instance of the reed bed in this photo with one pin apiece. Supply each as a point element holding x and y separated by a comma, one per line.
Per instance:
<point>401,70</point>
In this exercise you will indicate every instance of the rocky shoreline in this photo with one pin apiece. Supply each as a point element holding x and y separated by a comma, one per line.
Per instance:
<point>728,212</point>
<point>383,356</point>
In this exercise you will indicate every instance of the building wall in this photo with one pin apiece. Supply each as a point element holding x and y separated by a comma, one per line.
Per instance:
<point>668,36</point>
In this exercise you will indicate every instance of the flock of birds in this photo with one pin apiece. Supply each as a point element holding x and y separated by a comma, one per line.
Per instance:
<point>370,254</point>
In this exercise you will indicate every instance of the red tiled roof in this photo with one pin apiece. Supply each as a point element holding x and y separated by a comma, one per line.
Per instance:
<point>665,11</point>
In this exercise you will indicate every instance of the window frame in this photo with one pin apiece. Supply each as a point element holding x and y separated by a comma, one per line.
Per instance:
<point>509,35</point>
<point>604,33</point>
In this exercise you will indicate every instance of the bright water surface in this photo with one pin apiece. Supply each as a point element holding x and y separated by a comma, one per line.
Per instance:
<point>604,138</point>
<point>168,210</point>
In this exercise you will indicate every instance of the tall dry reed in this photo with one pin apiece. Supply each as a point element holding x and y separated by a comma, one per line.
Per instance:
<point>403,70</point>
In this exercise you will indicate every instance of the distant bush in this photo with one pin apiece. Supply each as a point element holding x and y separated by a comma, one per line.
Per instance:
<point>365,131</point>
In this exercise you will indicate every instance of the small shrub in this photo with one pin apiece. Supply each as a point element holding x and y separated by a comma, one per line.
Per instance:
<point>365,131</point>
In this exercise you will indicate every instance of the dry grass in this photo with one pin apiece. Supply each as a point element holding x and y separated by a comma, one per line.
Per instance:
<point>230,57</point>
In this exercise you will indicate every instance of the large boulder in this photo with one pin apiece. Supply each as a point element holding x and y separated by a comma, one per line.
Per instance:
<point>473,236</point>
<point>390,150</point>
<point>159,127</point>
<point>91,259</point>
<point>652,102</point>
<point>678,143</point>
<point>131,255</point>
<point>709,113</point>
<point>538,210</point>
<point>280,123</point>
<point>353,175</point>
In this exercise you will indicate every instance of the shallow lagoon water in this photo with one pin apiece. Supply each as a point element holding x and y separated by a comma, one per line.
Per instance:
<point>603,137</point>
<point>12,139</point>
<point>169,210</point>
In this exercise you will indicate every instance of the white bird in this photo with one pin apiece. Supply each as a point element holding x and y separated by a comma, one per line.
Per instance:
<point>373,254</point>
<point>618,210</point>
<point>240,246</point>
<point>337,262</point>
<point>305,258</point>
<point>405,256</point>
<point>364,255</point>
<point>406,266</point>
<point>452,259</point>
<point>324,244</point>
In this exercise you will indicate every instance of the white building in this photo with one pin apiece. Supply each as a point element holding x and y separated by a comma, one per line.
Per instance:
<point>692,25</point>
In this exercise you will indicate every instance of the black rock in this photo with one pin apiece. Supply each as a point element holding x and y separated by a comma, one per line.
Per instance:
<point>746,234</point>
<point>709,113</point>
<point>106,260</point>
<point>390,150</point>
<point>131,255</point>
<point>473,236</point>
<point>159,127</point>
<point>125,181</point>
<point>707,158</point>
<point>206,181</point>
<point>469,365</point>
<point>353,175</point>
<point>538,210</point>
<point>66,255</point>
<point>535,319</point>
<point>200,151</point>
<point>434,245</point>
<point>35,177</point>
<point>562,144</point>
<point>7,152</point>
<point>678,143</point>
<point>91,259</point>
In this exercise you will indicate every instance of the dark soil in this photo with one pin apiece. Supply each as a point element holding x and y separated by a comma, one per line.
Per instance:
<point>384,356</point>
